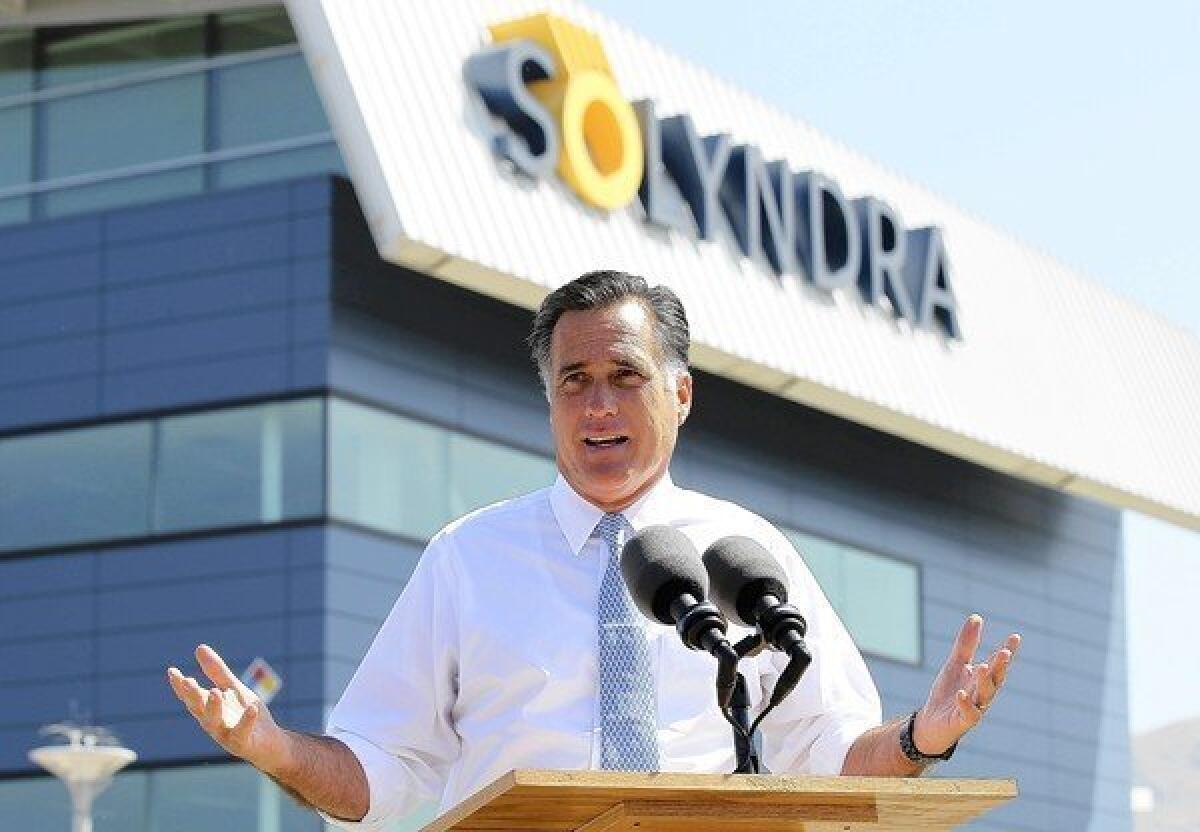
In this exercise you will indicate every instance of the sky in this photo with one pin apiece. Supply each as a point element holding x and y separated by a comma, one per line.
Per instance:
<point>1074,125</point>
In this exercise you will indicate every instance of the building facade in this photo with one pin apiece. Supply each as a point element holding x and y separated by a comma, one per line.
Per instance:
<point>224,418</point>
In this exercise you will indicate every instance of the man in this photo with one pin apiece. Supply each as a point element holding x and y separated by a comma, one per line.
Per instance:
<point>514,646</point>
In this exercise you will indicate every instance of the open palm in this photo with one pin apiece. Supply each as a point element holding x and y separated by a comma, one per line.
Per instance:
<point>963,690</point>
<point>229,712</point>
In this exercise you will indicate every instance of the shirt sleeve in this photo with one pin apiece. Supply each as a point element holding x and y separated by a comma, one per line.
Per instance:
<point>811,731</point>
<point>395,714</point>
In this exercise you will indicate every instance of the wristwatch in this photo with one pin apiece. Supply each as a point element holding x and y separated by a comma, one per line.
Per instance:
<point>915,754</point>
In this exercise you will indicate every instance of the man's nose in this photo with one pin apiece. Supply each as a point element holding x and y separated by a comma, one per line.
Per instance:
<point>601,400</point>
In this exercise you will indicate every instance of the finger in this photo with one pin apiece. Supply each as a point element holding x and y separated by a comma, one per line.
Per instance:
<point>1000,665</point>
<point>213,721</point>
<point>985,688</point>
<point>245,725</point>
<point>188,692</point>
<point>1012,642</point>
<point>215,669</point>
<point>967,712</point>
<point>968,640</point>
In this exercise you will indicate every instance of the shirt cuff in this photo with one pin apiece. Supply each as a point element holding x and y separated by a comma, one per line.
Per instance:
<point>376,763</point>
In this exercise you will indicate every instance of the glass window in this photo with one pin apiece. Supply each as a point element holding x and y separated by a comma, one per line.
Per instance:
<point>877,597</point>
<point>824,560</point>
<point>122,806</point>
<point>14,209</point>
<point>108,135</point>
<point>111,129</point>
<point>187,799</point>
<point>76,54</point>
<point>145,122</point>
<point>127,190</point>
<point>16,123</point>
<point>244,31</point>
<point>409,478</point>
<point>265,101</point>
<point>35,803</point>
<point>284,164</point>
<point>387,472</point>
<point>258,464</point>
<point>882,605</point>
<point>16,62</point>
<point>483,472</point>
<point>75,485</point>
<point>16,134</point>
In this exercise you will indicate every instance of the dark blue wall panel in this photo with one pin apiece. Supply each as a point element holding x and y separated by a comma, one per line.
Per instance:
<point>175,304</point>
<point>98,630</point>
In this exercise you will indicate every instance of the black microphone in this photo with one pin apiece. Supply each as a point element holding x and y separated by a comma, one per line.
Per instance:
<point>668,583</point>
<point>749,586</point>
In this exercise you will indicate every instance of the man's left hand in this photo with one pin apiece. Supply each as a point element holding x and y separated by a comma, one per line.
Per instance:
<point>962,691</point>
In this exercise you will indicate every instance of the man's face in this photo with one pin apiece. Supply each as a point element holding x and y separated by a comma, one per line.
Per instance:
<point>612,413</point>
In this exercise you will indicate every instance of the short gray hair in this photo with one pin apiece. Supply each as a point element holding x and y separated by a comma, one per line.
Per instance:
<point>604,288</point>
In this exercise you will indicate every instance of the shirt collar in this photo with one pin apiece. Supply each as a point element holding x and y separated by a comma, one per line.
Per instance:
<point>578,518</point>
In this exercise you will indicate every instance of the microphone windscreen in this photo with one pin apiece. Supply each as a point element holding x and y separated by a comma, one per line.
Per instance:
<point>741,571</point>
<point>659,564</point>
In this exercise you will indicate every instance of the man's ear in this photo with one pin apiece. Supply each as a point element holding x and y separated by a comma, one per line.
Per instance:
<point>683,396</point>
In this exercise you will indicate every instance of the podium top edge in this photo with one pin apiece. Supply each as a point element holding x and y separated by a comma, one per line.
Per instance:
<point>1002,788</point>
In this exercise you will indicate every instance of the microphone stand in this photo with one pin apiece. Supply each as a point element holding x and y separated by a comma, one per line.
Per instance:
<point>747,744</point>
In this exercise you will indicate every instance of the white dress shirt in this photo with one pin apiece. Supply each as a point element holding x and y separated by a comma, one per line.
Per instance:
<point>487,662</point>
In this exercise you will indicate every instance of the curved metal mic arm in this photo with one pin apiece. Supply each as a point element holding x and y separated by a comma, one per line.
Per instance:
<point>780,627</point>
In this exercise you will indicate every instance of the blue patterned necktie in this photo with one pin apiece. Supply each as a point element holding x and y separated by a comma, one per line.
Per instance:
<point>628,705</point>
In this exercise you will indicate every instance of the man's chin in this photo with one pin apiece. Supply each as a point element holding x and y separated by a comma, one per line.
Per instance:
<point>610,489</point>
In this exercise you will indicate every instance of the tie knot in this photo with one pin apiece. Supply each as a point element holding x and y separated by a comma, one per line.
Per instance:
<point>609,529</point>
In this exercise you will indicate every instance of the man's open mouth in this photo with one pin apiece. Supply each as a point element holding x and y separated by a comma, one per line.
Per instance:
<point>605,441</point>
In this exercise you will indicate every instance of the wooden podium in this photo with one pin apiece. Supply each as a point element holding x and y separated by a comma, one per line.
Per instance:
<point>609,801</point>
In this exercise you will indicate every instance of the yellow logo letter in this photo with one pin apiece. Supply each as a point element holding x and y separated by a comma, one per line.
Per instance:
<point>601,156</point>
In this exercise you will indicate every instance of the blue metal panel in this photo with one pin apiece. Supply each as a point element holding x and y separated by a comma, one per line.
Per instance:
<point>196,383</point>
<point>200,559</point>
<point>180,341</point>
<point>49,359</point>
<point>201,213</point>
<point>312,194</point>
<point>226,292</point>
<point>310,322</point>
<point>62,658</point>
<point>308,367</point>
<point>51,318</point>
<point>48,238</point>
<point>47,616</point>
<point>64,574</point>
<point>209,251</point>
<point>156,648</point>
<point>310,278</point>
<point>52,401</point>
<point>313,235</point>
<point>217,598</point>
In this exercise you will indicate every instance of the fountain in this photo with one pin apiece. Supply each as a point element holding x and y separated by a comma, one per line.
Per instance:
<point>86,765</point>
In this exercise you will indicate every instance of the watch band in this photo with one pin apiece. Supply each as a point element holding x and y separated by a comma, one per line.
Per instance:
<point>909,747</point>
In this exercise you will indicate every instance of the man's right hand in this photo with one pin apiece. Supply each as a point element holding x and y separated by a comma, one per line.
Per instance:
<point>232,714</point>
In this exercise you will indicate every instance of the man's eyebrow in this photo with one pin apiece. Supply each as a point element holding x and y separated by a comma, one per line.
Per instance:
<point>630,363</point>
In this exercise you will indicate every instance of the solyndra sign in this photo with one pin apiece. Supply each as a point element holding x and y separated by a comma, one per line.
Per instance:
<point>558,111</point>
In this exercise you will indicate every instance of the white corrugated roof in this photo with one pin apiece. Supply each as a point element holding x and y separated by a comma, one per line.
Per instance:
<point>1056,380</point>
